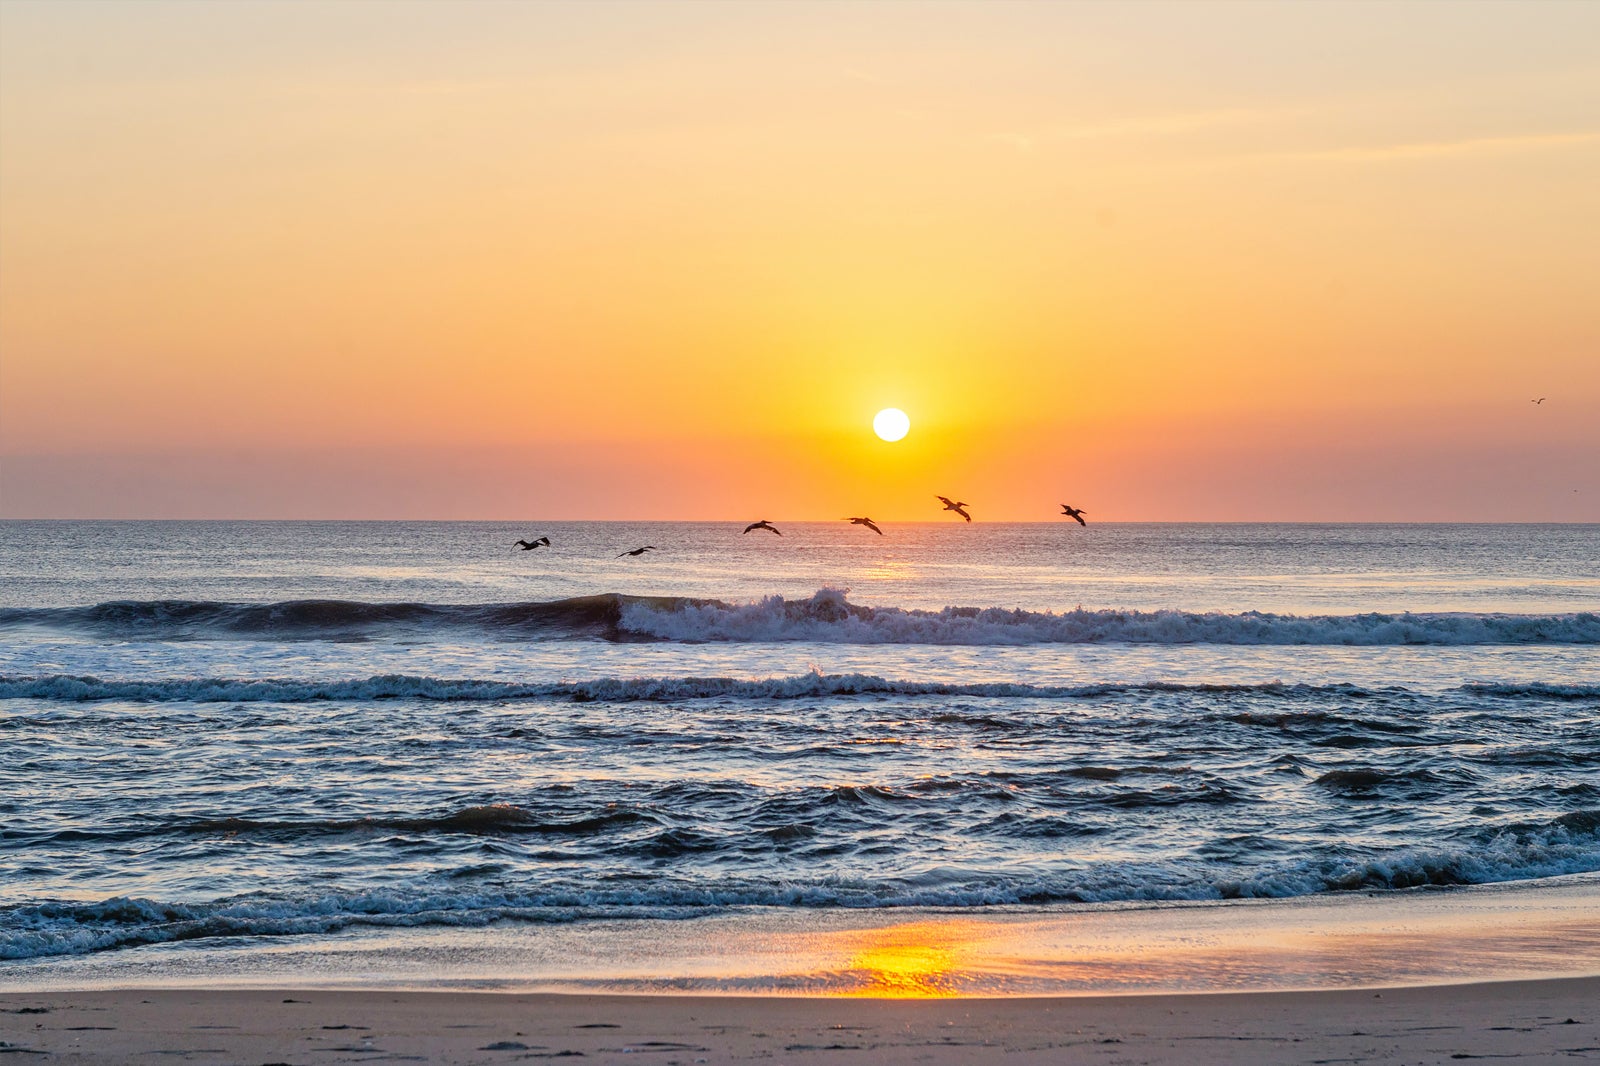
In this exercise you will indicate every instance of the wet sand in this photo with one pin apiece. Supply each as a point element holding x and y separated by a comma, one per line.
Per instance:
<point>1384,978</point>
<point>1517,931</point>
<point>1528,1021</point>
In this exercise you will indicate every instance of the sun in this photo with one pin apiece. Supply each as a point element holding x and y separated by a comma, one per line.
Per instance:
<point>891,423</point>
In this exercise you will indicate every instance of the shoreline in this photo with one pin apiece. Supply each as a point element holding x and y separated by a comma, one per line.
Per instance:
<point>1538,1020</point>
<point>1425,937</point>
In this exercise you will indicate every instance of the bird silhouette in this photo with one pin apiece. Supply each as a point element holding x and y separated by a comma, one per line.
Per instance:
<point>763,524</point>
<point>952,505</point>
<point>1073,512</point>
<point>1539,400</point>
<point>641,551</point>
<point>869,523</point>
<point>529,545</point>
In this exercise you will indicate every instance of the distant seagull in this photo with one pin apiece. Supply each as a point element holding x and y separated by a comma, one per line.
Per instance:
<point>1073,512</point>
<point>1539,400</point>
<point>529,545</point>
<point>952,505</point>
<point>866,522</point>
<point>641,551</point>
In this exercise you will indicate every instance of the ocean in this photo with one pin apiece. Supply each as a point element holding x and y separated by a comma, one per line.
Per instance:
<point>265,737</point>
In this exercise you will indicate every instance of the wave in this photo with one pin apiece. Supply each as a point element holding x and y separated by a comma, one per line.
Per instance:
<point>488,820</point>
<point>826,617</point>
<point>1568,844</point>
<point>583,616</point>
<point>74,688</point>
<point>1534,690</point>
<point>85,689</point>
<point>1361,780</point>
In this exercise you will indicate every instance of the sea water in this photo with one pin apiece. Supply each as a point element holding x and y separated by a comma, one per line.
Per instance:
<point>264,735</point>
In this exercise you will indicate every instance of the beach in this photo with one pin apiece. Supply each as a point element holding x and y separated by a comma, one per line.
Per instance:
<point>1533,1021</point>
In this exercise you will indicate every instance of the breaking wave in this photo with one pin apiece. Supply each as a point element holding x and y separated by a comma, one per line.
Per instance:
<point>826,617</point>
<point>69,688</point>
<point>1569,844</point>
<point>80,689</point>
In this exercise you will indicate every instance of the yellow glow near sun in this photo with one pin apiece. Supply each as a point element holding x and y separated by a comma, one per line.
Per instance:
<point>891,424</point>
<point>918,960</point>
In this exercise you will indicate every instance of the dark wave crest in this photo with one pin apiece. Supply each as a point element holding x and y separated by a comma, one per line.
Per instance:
<point>584,616</point>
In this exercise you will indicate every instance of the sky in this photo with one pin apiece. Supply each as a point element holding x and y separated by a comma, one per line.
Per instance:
<point>1165,262</point>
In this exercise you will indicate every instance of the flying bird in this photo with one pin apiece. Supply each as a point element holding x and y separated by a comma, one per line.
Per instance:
<point>641,551</point>
<point>952,505</point>
<point>1073,512</point>
<point>763,524</point>
<point>529,545</point>
<point>1539,400</point>
<point>869,523</point>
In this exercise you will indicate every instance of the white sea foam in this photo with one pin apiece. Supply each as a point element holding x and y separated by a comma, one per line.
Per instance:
<point>828,617</point>
<point>1567,845</point>
<point>68,688</point>
<point>84,689</point>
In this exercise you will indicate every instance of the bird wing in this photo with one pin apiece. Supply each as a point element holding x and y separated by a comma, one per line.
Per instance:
<point>872,526</point>
<point>752,525</point>
<point>1079,517</point>
<point>545,541</point>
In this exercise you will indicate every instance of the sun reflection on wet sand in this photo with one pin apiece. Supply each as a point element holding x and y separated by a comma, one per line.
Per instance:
<point>918,960</point>
<point>1508,932</point>
<point>1349,942</point>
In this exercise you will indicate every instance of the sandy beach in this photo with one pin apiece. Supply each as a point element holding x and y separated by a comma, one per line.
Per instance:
<point>1530,1021</point>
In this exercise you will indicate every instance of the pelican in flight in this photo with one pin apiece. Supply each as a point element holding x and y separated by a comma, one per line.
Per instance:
<point>869,523</point>
<point>952,505</point>
<point>763,524</point>
<point>1539,400</point>
<point>529,545</point>
<point>1073,512</point>
<point>641,551</point>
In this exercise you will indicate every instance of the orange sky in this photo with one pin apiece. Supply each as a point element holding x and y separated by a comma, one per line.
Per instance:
<point>496,260</point>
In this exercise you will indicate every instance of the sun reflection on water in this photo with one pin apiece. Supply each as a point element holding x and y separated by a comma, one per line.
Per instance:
<point>889,570</point>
